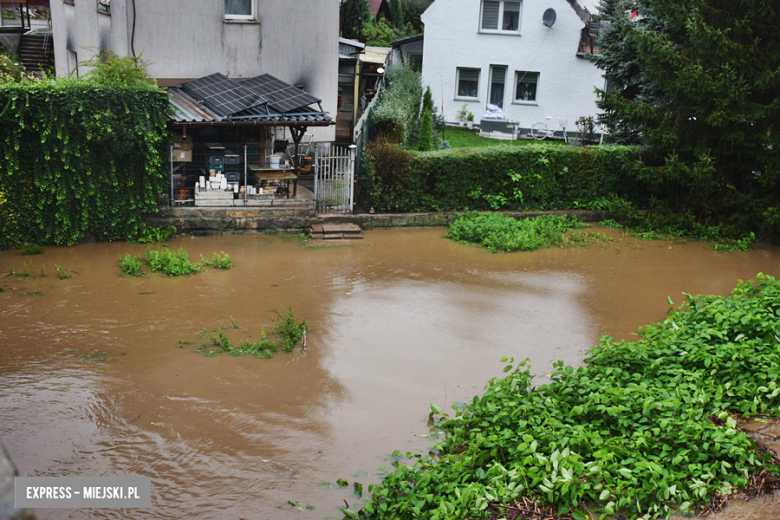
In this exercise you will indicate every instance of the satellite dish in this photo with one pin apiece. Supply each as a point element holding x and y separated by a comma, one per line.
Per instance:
<point>548,18</point>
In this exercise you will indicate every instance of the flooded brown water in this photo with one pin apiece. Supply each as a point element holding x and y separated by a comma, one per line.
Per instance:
<point>399,320</point>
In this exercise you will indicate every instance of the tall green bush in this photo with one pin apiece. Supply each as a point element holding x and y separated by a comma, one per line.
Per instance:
<point>504,177</point>
<point>400,102</point>
<point>425,139</point>
<point>78,157</point>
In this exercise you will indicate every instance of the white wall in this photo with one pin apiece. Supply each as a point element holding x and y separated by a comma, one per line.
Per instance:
<point>566,81</point>
<point>294,40</point>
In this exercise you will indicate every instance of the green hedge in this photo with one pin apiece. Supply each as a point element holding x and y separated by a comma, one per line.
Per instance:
<point>79,158</point>
<point>503,177</point>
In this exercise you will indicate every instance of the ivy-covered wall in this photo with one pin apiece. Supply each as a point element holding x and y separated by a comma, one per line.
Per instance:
<point>502,177</point>
<point>79,158</point>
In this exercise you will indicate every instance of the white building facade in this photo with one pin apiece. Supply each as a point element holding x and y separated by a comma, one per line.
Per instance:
<point>293,40</point>
<point>501,52</point>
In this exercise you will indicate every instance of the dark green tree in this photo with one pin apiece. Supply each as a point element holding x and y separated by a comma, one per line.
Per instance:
<point>354,14</point>
<point>427,100</point>
<point>396,13</point>
<point>425,139</point>
<point>412,10</point>
<point>702,85</point>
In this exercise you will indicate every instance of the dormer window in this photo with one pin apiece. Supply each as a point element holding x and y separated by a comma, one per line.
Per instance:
<point>500,16</point>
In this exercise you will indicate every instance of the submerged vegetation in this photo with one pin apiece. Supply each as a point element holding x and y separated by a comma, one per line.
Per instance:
<point>172,263</point>
<point>155,234</point>
<point>287,333</point>
<point>498,232</point>
<point>645,429</point>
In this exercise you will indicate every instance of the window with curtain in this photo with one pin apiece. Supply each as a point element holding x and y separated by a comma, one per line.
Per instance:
<point>497,79</point>
<point>526,85</point>
<point>239,9</point>
<point>501,16</point>
<point>468,82</point>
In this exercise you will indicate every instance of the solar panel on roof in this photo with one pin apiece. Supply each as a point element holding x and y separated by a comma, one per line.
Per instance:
<point>223,94</point>
<point>281,96</point>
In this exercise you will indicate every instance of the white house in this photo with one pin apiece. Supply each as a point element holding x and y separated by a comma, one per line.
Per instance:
<point>293,40</point>
<point>509,53</point>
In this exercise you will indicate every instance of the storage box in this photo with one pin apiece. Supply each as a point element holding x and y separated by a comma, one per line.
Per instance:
<point>182,155</point>
<point>182,146</point>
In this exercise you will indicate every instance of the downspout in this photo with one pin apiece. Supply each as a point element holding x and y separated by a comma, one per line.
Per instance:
<point>132,36</point>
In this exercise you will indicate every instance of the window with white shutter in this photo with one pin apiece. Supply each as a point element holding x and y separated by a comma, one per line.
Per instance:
<point>500,16</point>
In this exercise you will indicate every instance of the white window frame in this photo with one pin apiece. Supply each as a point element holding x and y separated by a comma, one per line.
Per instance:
<point>516,101</point>
<point>490,83</point>
<point>242,16</point>
<point>500,18</point>
<point>457,83</point>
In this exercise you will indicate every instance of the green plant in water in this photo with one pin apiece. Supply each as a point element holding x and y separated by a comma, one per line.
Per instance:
<point>170,263</point>
<point>130,265</point>
<point>62,274</point>
<point>644,429</point>
<point>43,271</point>
<point>32,249</point>
<point>288,328</point>
<point>234,322</point>
<point>156,234</point>
<point>731,246</point>
<point>220,262</point>
<point>498,232</point>
<point>609,223</point>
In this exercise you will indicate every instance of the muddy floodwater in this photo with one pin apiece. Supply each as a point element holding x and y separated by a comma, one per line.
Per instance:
<point>398,320</point>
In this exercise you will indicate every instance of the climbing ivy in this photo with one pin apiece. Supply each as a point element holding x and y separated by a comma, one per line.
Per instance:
<point>77,157</point>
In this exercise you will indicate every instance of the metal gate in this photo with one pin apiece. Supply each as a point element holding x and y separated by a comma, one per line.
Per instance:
<point>334,179</point>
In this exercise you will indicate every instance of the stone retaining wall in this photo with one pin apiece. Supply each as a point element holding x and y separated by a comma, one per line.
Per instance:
<point>235,221</point>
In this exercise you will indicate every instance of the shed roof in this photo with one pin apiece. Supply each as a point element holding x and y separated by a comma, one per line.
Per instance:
<point>189,109</point>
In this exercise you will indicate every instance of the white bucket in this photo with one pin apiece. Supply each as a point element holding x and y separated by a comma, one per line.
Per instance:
<point>274,161</point>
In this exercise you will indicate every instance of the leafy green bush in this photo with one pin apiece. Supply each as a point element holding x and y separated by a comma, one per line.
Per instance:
<point>288,328</point>
<point>504,177</point>
<point>32,249</point>
<point>156,234</point>
<point>501,233</point>
<point>129,265</point>
<point>644,428</point>
<point>399,104</point>
<point>62,273</point>
<point>220,262</point>
<point>80,158</point>
<point>170,263</point>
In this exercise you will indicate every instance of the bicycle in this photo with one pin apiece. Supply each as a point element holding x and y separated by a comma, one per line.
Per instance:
<point>540,131</point>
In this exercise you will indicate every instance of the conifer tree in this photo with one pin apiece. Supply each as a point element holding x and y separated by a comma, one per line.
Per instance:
<point>354,14</point>
<point>700,80</point>
<point>396,13</point>
<point>425,139</point>
<point>428,100</point>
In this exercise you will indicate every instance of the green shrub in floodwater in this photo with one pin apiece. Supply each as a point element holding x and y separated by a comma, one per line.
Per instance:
<point>220,262</point>
<point>156,234</point>
<point>32,249</point>
<point>288,328</point>
<point>644,429</point>
<point>130,265</point>
<point>170,263</point>
<point>62,274</point>
<point>288,331</point>
<point>498,232</point>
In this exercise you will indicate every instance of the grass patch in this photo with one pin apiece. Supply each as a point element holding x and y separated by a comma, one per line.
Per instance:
<point>94,356</point>
<point>645,429</point>
<point>459,137</point>
<point>32,293</point>
<point>497,232</point>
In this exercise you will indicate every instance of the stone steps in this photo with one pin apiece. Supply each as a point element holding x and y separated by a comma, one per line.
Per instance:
<point>345,231</point>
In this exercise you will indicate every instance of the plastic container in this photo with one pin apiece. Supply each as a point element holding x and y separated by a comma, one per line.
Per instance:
<point>274,161</point>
